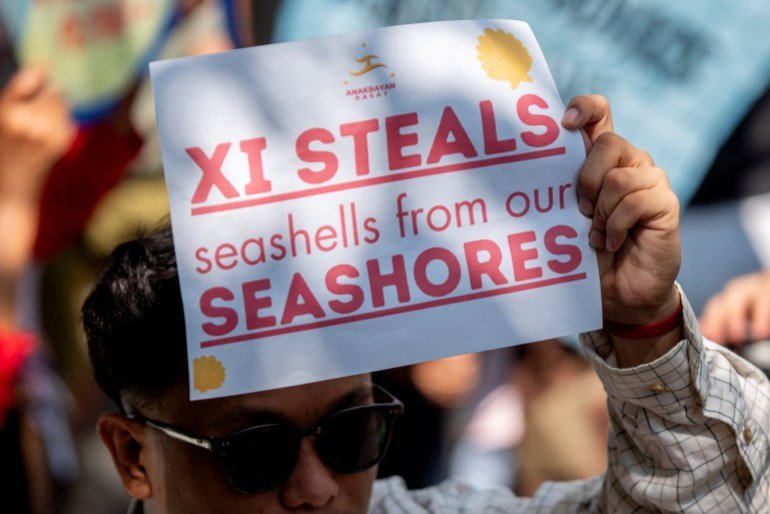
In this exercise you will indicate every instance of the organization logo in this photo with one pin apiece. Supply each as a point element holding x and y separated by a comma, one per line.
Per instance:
<point>358,91</point>
<point>503,57</point>
<point>368,65</point>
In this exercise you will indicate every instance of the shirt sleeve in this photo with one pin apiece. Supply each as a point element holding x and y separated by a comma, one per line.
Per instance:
<point>688,431</point>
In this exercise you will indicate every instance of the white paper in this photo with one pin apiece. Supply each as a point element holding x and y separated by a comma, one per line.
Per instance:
<point>402,130</point>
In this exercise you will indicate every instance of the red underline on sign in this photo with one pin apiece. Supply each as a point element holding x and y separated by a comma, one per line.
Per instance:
<point>390,312</point>
<point>373,181</point>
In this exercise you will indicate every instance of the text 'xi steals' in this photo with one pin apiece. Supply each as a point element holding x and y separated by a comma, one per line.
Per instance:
<point>314,148</point>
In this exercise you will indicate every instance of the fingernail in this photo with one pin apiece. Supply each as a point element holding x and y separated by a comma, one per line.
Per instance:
<point>586,206</point>
<point>596,239</point>
<point>571,116</point>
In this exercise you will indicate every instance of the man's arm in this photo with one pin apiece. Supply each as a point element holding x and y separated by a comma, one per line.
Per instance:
<point>635,230</point>
<point>688,430</point>
<point>688,420</point>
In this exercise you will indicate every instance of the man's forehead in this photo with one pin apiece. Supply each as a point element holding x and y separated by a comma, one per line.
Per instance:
<point>300,405</point>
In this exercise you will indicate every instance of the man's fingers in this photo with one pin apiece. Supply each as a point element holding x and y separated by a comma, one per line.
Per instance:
<point>637,206</point>
<point>610,187</point>
<point>590,113</point>
<point>619,182</point>
<point>609,151</point>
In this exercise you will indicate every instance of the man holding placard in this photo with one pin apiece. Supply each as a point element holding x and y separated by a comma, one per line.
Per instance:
<point>280,341</point>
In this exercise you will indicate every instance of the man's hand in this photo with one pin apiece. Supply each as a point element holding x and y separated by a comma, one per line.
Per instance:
<point>635,227</point>
<point>740,312</point>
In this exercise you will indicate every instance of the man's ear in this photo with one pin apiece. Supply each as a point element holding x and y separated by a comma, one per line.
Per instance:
<point>123,438</point>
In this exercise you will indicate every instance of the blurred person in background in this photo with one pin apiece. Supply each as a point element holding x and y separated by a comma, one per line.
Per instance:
<point>99,189</point>
<point>565,416</point>
<point>517,435</point>
<point>35,132</point>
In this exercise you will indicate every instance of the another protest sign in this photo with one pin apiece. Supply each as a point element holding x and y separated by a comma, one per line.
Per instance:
<point>93,49</point>
<point>678,57</point>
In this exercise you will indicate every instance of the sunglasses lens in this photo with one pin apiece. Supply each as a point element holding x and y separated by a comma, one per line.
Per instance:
<point>260,459</point>
<point>355,440</point>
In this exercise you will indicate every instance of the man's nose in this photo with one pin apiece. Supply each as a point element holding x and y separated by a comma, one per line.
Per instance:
<point>311,484</point>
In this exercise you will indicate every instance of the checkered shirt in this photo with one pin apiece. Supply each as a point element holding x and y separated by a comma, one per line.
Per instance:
<point>688,433</point>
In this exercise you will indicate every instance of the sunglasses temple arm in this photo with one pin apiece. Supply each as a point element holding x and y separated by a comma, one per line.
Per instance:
<point>180,436</point>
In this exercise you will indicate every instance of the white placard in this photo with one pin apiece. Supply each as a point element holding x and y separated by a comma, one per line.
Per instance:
<point>359,202</point>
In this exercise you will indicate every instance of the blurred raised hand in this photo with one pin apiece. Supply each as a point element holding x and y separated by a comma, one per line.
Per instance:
<point>740,312</point>
<point>36,129</point>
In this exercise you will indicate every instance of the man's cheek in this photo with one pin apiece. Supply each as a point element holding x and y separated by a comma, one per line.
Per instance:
<point>196,482</point>
<point>356,490</point>
<point>202,485</point>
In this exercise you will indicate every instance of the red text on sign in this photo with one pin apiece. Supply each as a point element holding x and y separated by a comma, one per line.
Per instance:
<point>382,283</point>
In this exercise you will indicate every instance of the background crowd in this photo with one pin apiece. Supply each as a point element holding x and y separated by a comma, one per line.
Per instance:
<point>80,171</point>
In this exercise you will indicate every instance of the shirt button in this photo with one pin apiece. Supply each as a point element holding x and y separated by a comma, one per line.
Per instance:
<point>746,433</point>
<point>659,388</point>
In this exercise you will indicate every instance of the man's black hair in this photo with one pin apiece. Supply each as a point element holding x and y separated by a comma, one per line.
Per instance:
<point>134,323</point>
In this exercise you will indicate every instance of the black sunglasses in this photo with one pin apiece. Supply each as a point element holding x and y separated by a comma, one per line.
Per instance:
<point>262,457</point>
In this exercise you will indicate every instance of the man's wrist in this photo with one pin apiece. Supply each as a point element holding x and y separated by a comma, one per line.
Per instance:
<point>642,315</point>
<point>636,350</point>
<point>651,330</point>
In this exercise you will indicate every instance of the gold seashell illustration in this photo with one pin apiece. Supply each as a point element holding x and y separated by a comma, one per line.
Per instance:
<point>503,57</point>
<point>208,373</point>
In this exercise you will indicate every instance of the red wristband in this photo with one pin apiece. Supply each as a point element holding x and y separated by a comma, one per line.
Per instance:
<point>646,331</point>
